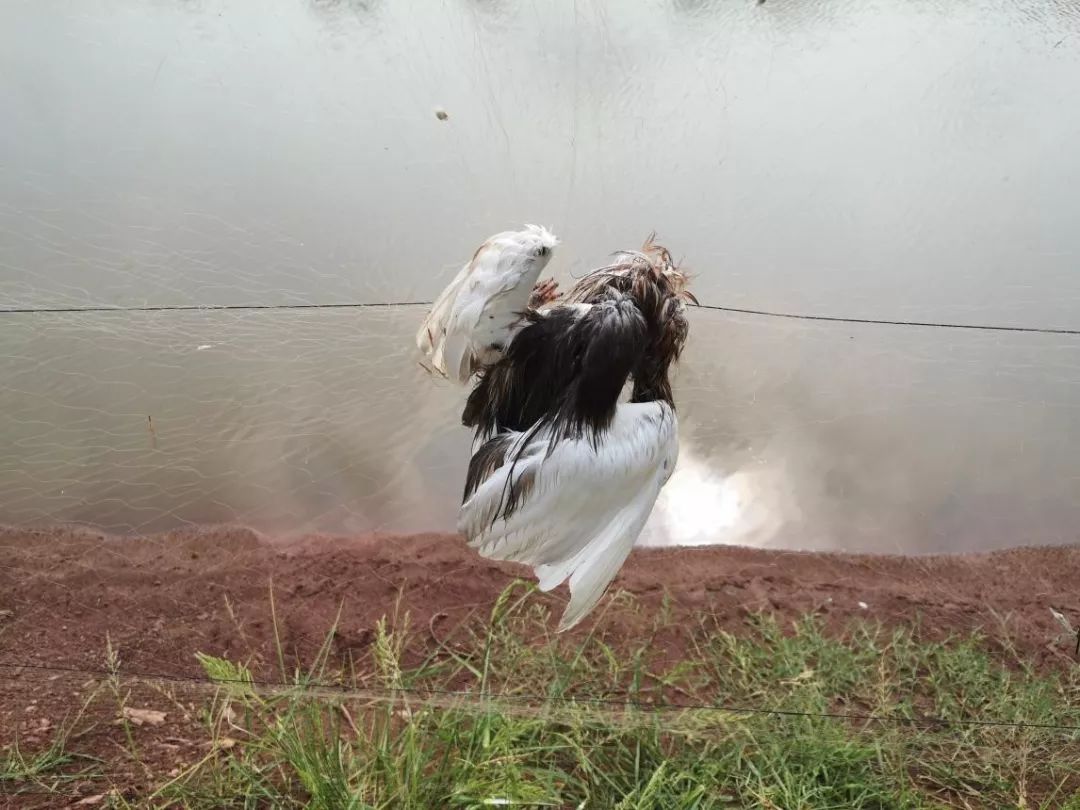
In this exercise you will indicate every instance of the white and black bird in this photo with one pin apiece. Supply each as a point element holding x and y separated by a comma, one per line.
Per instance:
<point>475,316</point>
<point>564,476</point>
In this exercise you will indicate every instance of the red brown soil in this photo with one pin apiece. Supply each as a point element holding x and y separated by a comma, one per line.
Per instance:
<point>161,599</point>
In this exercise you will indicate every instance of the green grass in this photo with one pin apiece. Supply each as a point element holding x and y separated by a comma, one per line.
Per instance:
<point>50,768</point>
<point>502,713</point>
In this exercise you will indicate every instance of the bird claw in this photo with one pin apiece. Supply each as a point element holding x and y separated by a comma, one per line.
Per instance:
<point>544,293</point>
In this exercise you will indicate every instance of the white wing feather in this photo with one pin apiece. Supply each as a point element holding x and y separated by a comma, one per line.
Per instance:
<point>585,508</point>
<point>483,302</point>
<point>431,330</point>
<point>490,282</point>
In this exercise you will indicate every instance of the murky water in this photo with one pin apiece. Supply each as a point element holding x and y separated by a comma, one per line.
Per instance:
<point>887,159</point>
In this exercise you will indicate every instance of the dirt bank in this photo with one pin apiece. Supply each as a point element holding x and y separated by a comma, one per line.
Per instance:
<point>161,599</point>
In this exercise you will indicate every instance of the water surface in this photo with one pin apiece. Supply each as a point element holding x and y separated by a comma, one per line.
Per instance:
<point>894,160</point>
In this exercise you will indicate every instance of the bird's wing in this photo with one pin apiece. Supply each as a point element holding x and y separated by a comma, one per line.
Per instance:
<point>577,512</point>
<point>430,335</point>
<point>458,346</point>
<point>490,285</point>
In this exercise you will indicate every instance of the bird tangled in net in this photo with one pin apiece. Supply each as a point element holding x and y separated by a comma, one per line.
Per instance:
<point>563,474</point>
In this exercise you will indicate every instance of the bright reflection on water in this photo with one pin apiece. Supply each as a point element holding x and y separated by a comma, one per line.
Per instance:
<point>882,159</point>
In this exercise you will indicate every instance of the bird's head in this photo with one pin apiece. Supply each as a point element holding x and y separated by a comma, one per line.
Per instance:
<point>532,246</point>
<point>537,243</point>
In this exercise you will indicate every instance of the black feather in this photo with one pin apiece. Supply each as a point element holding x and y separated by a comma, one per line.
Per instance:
<point>605,344</point>
<point>489,457</point>
<point>567,368</point>
<point>526,383</point>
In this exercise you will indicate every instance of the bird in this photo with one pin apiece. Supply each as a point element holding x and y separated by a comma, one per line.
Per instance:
<point>563,475</point>
<point>476,315</point>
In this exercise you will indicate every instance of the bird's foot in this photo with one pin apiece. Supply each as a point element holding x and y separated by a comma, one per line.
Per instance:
<point>544,293</point>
